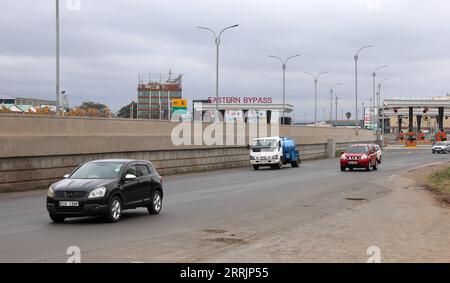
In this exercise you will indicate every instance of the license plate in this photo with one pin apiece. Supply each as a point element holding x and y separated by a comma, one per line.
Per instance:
<point>353,162</point>
<point>68,203</point>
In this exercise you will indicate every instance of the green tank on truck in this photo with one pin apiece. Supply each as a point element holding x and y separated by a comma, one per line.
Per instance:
<point>274,152</point>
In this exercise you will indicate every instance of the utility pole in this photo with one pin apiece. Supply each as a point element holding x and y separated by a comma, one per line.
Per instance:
<point>356,57</point>
<point>374,74</point>
<point>363,116</point>
<point>65,102</point>
<point>331,97</point>
<point>316,80</point>
<point>337,108</point>
<point>380,84</point>
<point>58,102</point>
<point>283,66</point>
<point>217,42</point>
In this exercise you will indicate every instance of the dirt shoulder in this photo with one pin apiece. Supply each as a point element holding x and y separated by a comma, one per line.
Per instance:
<point>435,178</point>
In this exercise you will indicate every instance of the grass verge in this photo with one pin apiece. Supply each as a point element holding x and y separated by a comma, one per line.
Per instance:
<point>440,182</point>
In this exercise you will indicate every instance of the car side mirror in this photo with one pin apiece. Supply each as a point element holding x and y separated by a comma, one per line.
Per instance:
<point>66,176</point>
<point>130,177</point>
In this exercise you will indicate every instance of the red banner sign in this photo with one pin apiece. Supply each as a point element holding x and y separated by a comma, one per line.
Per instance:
<point>238,100</point>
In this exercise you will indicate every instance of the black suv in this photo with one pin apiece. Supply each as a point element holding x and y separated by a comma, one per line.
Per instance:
<point>106,188</point>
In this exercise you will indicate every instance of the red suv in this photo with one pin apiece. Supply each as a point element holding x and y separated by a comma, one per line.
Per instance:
<point>359,156</point>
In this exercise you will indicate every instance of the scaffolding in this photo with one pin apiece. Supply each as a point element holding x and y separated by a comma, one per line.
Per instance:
<point>149,79</point>
<point>155,94</point>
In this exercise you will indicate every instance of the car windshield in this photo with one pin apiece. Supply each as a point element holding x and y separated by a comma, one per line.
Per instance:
<point>440,143</point>
<point>357,150</point>
<point>98,170</point>
<point>264,145</point>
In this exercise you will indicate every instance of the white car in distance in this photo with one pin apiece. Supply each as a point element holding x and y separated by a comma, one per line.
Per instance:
<point>379,153</point>
<point>441,147</point>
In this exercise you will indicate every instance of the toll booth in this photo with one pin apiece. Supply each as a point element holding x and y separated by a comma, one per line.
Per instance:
<point>424,118</point>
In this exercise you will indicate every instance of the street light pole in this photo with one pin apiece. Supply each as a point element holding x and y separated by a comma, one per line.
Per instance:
<point>374,74</point>
<point>356,57</point>
<point>283,66</point>
<point>331,97</point>
<point>217,42</point>
<point>380,84</point>
<point>57,59</point>
<point>336,107</point>
<point>284,94</point>
<point>363,114</point>
<point>316,79</point>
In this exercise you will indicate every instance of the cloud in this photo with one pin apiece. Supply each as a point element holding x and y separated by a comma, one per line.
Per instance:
<point>108,42</point>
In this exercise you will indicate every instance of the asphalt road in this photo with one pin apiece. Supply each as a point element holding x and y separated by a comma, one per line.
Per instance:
<point>191,202</point>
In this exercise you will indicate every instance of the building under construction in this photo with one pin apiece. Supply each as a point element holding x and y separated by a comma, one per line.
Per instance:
<point>155,94</point>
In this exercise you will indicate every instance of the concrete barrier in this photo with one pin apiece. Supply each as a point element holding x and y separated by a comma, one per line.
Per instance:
<point>36,151</point>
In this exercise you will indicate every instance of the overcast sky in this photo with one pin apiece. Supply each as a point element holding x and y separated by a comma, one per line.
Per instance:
<point>108,42</point>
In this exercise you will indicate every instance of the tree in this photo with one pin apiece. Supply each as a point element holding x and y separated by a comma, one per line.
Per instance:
<point>91,109</point>
<point>43,111</point>
<point>93,112</point>
<point>77,112</point>
<point>85,105</point>
<point>125,111</point>
<point>348,115</point>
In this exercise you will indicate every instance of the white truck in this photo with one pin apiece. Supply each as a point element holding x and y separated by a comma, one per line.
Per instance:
<point>274,152</point>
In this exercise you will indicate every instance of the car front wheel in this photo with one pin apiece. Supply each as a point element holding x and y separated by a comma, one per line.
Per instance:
<point>57,218</point>
<point>115,210</point>
<point>156,204</point>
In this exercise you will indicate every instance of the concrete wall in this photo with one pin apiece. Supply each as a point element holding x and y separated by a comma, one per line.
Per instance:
<point>36,151</point>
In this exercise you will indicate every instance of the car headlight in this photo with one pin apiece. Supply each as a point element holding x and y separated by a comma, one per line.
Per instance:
<point>50,192</point>
<point>252,158</point>
<point>97,193</point>
<point>275,157</point>
<point>364,157</point>
<point>344,157</point>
